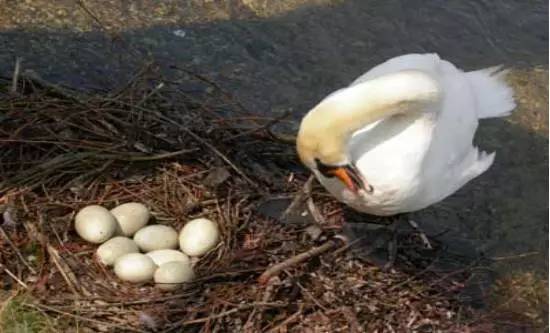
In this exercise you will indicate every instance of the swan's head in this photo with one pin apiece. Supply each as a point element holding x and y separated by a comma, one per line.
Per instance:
<point>322,141</point>
<point>322,146</point>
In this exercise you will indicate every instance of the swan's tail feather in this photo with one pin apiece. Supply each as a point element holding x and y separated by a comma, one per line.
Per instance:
<point>494,97</point>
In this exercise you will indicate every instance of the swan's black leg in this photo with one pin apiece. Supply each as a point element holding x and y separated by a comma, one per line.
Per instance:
<point>421,233</point>
<point>392,246</point>
<point>396,227</point>
<point>378,240</point>
<point>398,223</point>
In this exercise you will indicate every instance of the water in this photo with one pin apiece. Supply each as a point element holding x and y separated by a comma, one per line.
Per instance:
<point>286,55</point>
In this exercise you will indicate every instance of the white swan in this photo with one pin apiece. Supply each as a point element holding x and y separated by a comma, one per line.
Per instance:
<point>399,138</point>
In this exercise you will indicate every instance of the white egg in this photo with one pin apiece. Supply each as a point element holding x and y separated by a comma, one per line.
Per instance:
<point>198,237</point>
<point>163,256</point>
<point>171,275</point>
<point>135,267</point>
<point>95,224</point>
<point>131,217</point>
<point>156,237</point>
<point>114,248</point>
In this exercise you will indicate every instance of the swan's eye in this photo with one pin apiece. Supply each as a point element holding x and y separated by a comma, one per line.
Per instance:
<point>324,169</point>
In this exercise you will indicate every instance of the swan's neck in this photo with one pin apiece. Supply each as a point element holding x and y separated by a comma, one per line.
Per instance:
<point>332,123</point>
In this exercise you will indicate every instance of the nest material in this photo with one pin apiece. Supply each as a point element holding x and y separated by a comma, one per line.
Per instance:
<point>184,155</point>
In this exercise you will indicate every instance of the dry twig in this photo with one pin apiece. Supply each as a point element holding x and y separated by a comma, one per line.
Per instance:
<point>63,270</point>
<point>16,250</point>
<point>316,251</point>
<point>14,277</point>
<point>15,77</point>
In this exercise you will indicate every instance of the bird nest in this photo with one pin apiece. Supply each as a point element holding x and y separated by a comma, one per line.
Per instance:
<point>185,153</point>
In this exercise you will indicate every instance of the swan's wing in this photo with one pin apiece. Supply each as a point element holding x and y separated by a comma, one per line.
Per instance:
<point>451,152</point>
<point>457,119</point>
<point>453,160</point>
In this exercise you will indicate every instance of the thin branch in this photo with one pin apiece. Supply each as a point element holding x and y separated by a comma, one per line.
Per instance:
<point>516,256</point>
<point>52,309</point>
<point>17,252</point>
<point>267,126</point>
<point>292,261</point>
<point>13,276</point>
<point>304,193</point>
<point>15,77</point>
<point>241,307</point>
<point>67,276</point>
<point>33,76</point>
<point>288,320</point>
<point>221,155</point>
<point>83,6</point>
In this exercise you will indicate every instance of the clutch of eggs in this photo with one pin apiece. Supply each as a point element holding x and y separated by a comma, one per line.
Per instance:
<point>123,233</point>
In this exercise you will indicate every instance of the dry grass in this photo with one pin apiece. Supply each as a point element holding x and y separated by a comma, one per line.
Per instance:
<point>16,317</point>
<point>522,296</point>
<point>184,156</point>
<point>113,16</point>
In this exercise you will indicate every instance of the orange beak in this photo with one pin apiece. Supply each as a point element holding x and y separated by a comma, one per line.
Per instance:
<point>343,175</point>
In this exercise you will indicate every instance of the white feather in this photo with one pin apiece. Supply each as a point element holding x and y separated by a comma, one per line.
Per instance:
<point>415,160</point>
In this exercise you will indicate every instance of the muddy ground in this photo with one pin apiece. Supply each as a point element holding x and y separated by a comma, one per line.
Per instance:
<point>286,55</point>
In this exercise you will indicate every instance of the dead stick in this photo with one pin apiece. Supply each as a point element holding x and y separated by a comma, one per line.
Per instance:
<point>304,193</point>
<point>197,138</point>
<point>284,138</point>
<point>14,248</point>
<point>228,312</point>
<point>517,256</point>
<point>137,158</point>
<point>215,86</point>
<point>310,295</point>
<point>241,307</point>
<point>222,156</point>
<point>66,275</point>
<point>288,320</point>
<point>254,313</point>
<point>15,77</point>
<point>423,236</point>
<point>130,82</point>
<point>83,6</point>
<point>315,213</point>
<point>209,146</point>
<point>260,128</point>
<point>104,323</point>
<point>33,76</point>
<point>314,252</point>
<point>13,276</point>
<point>141,301</point>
